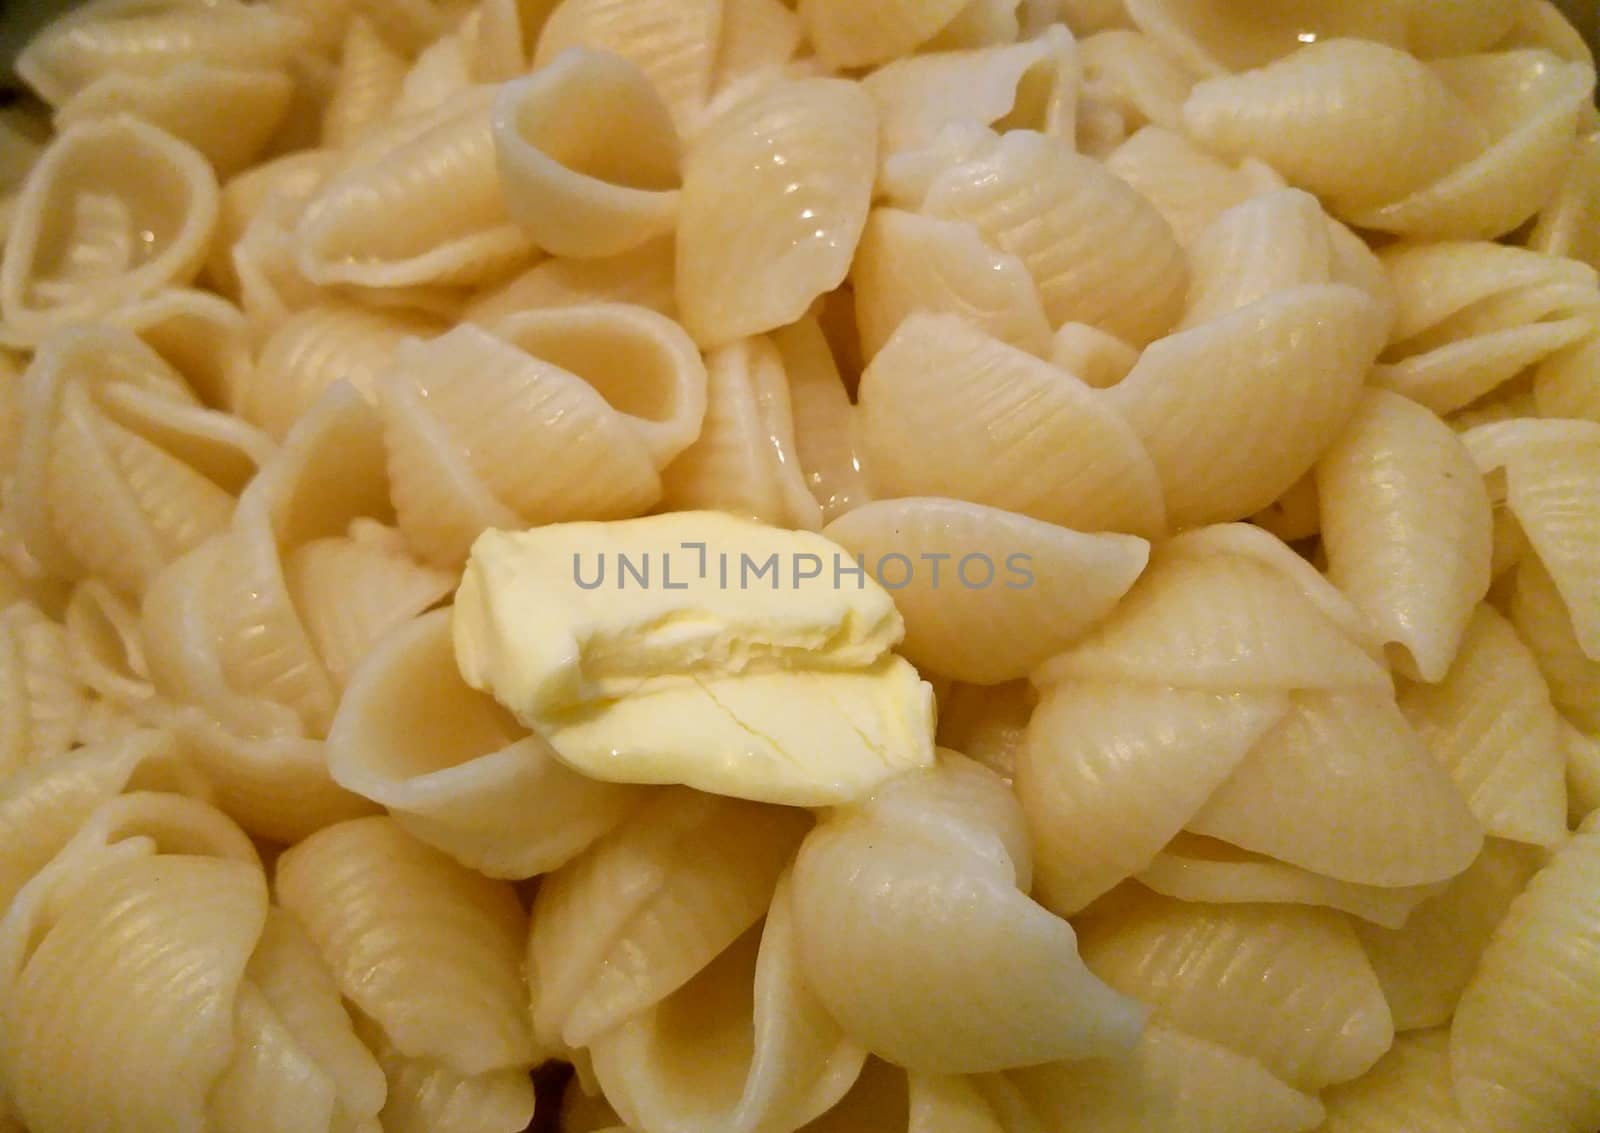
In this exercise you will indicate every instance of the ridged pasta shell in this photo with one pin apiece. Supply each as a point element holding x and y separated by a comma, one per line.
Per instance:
<point>642,277</point>
<point>794,163</point>
<point>588,155</point>
<point>1012,431</point>
<point>1214,38</point>
<point>1583,773</point>
<point>1567,223</point>
<point>1564,384</point>
<point>1095,357</point>
<point>987,723</point>
<point>429,949</point>
<point>42,698</point>
<point>993,980</point>
<point>907,262</point>
<point>1233,412</point>
<point>104,643</point>
<point>845,34</point>
<point>426,1096</point>
<point>1407,528</point>
<point>204,338</point>
<point>1109,773</point>
<point>823,420</point>
<point>454,769</point>
<point>984,624</point>
<point>1188,186</point>
<point>633,919</point>
<point>114,210</point>
<point>1283,984</point>
<point>1523,1043</point>
<point>1135,80</point>
<point>1424,964</point>
<point>419,205</point>
<point>367,87</point>
<point>1408,1091</point>
<point>1171,1081</point>
<point>1270,243</point>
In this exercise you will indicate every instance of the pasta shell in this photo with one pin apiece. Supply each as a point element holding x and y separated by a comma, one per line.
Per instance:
<point>425,1095</point>
<point>868,873</point>
<point>104,643</point>
<point>1275,241</point>
<point>1564,385</point>
<point>642,277</point>
<point>1567,223</point>
<point>1283,984</point>
<point>43,698</point>
<point>987,723</point>
<point>970,624</point>
<point>1523,1042</point>
<point>907,262</point>
<point>632,920</point>
<point>203,338</point>
<point>745,460</point>
<point>420,206</point>
<point>1583,773</point>
<point>368,84</point>
<point>1539,614</point>
<point>424,946</point>
<point>454,770</point>
<point>1409,1089</point>
<point>757,38</point>
<point>1171,1081</point>
<point>799,243</point>
<point>410,25</point>
<point>1407,529</point>
<point>580,186</point>
<point>1135,79</point>
<point>1188,186</point>
<point>849,35</point>
<point>1109,773</point>
<point>1284,372</point>
<point>114,210</point>
<point>824,423</point>
<point>1214,38</point>
<point>441,71</point>
<point>1098,359</point>
<point>1014,432</point>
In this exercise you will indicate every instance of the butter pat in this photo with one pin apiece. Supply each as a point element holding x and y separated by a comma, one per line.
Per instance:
<point>696,648</point>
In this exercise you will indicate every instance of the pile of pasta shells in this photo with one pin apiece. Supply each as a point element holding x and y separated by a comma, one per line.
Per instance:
<point>1267,330</point>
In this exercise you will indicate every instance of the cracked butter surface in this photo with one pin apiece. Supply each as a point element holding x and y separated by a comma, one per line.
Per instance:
<point>696,648</point>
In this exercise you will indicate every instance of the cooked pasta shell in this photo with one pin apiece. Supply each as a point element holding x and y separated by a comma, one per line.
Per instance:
<point>1436,282</point>
<point>204,338</point>
<point>426,947</point>
<point>1491,723</point>
<point>1032,196</point>
<point>1212,39</point>
<point>802,153</point>
<point>851,35</point>
<point>508,31</point>
<point>1295,515</point>
<point>1013,432</point>
<point>482,434</point>
<point>1583,773</point>
<point>1286,985</point>
<point>1098,359</point>
<point>642,277</point>
<point>998,985</point>
<point>758,37</point>
<point>419,205</point>
<point>454,769</point>
<point>1408,1091</point>
<point>745,460</point>
<point>1272,242</point>
<point>104,643</point>
<point>1567,223</point>
<point>368,84</point>
<point>410,25</point>
<point>425,1095</point>
<point>1171,1081</point>
<point>1233,412</point>
<point>1564,384</point>
<point>824,423</point>
<point>1188,186</point>
<point>1006,577</point>
<point>1523,1042</point>
<point>42,698</point>
<point>1407,528</point>
<point>1109,773</point>
<point>588,155</point>
<point>1539,614</point>
<point>907,262</point>
<point>745,1045</point>
<point>1194,868</point>
<point>1135,78</point>
<point>114,210</point>
<point>634,918</point>
<point>1424,963</point>
<point>441,71</point>
<point>987,723</point>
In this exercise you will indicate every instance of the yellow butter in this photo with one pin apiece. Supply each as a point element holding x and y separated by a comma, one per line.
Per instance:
<point>696,648</point>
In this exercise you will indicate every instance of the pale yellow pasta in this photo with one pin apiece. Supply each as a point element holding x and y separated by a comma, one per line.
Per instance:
<point>752,252</point>
<point>114,210</point>
<point>1583,773</point>
<point>42,697</point>
<point>1129,82</point>
<point>633,919</point>
<point>411,25</point>
<point>1286,985</point>
<point>441,71</point>
<point>757,38</point>
<point>1188,186</point>
<point>845,34</point>
<point>580,184</point>
<point>1522,1044</point>
<point>454,769</point>
<point>428,949</point>
<point>907,262</point>
<point>1563,385</point>
<point>1539,614</point>
<point>1171,1081</point>
<point>1408,1091</point>
<point>819,406</point>
<point>370,76</point>
<point>1424,964</point>
<point>1491,723</point>
<point>1216,36</point>
<point>1098,359</point>
<point>23,137</point>
<point>1012,431</point>
<point>1567,223</point>
<point>104,643</point>
<point>424,1095</point>
<point>745,459</point>
<point>642,276</point>
<point>416,203</point>
<point>260,192</point>
<point>916,932</point>
<point>987,723</point>
<point>1407,528</point>
<point>1270,243</point>
<point>202,336</point>
<point>979,619</point>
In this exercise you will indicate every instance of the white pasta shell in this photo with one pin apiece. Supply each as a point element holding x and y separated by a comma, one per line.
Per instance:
<point>792,167</point>
<point>454,769</point>
<point>1539,614</point>
<point>1233,412</point>
<point>851,35</point>
<point>42,698</point>
<point>1567,223</point>
<point>823,420</point>
<point>1171,1081</point>
<point>420,205</point>
<point>642,277</point>
<point>104,643</point>
<point>1012,431</point>
<point>908,262</point>
<point>987,723</point>
<point>367,86</point>
<point>1272,242</point>
<point>1407,529</point>
<point>633,919</point>
<point>203,337</point>
<point>868,880</point>
<point>1408,1091</point>
<point>1286,985</point>
<point>1523,1043</point>
<point>1005,577</point>
<point>1097,358</point>
<point>1563,386</point>
<point>426,947</point>
<point>1491,723</point>
<point>588,155</point>
<point>114,210</point>
<point>424,1095</point>
<point>1188,186</point>
<point>1109,773</point>
<point>1212,40</point>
